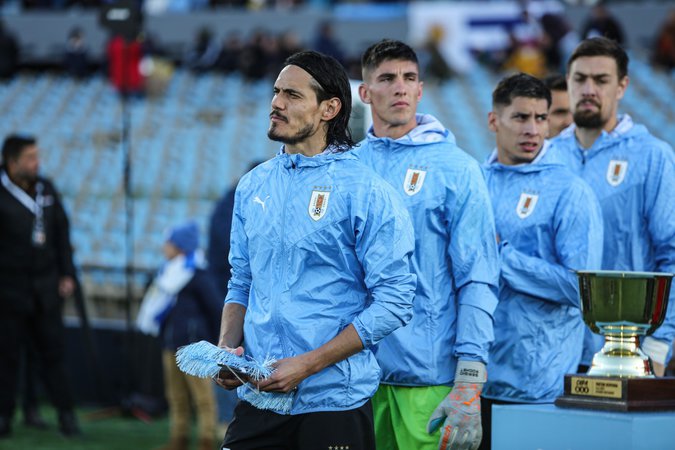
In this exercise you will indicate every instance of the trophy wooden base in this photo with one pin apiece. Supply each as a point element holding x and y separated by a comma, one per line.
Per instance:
<point>618,394</point>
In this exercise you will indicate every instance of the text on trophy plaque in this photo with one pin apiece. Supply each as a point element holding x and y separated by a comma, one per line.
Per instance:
<point>596,388</point>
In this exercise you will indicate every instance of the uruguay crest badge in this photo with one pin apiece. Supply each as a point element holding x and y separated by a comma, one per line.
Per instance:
<point>318,204</point>
<point>526,204</point>
<point>616,172</point>
<point>414,179</point>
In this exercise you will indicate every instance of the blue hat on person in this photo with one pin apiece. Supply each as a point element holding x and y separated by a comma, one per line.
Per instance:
<point>185,237</point>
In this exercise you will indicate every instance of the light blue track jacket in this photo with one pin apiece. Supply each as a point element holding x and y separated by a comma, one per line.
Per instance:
<point>317,244</point>
<point>550,224</point>
<point>456,259</point>
<point>633,176</point>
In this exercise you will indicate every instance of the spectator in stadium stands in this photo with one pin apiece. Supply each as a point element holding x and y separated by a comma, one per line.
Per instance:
<point>228,60</point>
<point>124,59</point>
<point>434,66</point>
<point>254,59</point>
<point>203,54</point>
<point>558,42</point>
<point>631,172</point>
<point>433,369</point>
<point>528,31</point>
<point>36,274</point>
<point>560,113</point>
<point>549,224</point>
<point>602,23</point>
<point>525,52</point>
<point>9,53</point>
<point>289,44</point>
<point>664,51</point>
<point>76,55</point>
<point>320,256</point>
<point>191,313</point>
<point>325,42</point>
<point>228,3</point>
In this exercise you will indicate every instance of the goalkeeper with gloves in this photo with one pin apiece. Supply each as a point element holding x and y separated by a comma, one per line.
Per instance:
<point>433,368</point>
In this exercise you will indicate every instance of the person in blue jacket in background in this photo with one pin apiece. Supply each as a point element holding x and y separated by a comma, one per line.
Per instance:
<point>631,172</point>
<point>548,225</point>
<point>320,256</point>
<point>433,369</point>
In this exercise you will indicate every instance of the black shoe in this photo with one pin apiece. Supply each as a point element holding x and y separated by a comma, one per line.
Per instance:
<point>5,427</point>
<point>33,419</point>
<point>68,424</point>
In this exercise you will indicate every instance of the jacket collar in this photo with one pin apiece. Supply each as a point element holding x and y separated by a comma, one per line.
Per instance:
<point>428,130</point>
<point>329,155</point>
<point>624,129</point>
<point>539,163</point>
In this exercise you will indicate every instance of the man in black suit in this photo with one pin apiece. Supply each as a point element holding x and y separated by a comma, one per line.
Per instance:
<point>36,273</point>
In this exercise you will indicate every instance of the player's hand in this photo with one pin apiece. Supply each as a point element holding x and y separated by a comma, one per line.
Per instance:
<point>228,377</point>
<point>458,415</point>
<point>288,374</point>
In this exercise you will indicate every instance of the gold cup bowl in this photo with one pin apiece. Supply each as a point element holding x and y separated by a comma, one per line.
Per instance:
<point>623,306</point>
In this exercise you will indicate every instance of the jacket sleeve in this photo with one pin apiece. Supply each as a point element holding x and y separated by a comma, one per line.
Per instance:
<point>578,242</point>
<point>474,262</point>
<point>384,245</point>
<point>660,212</point>
<point>239,285</point>
<point>64,249</point>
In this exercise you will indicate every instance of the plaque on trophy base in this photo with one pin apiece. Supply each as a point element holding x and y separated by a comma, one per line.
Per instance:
<point>618,394</point>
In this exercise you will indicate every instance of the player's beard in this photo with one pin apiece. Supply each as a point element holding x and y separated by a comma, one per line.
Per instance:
<point>302,134</point>
<point>589,119</point>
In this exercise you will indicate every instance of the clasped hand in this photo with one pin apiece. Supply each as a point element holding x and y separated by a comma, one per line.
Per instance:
<point>287,375</point>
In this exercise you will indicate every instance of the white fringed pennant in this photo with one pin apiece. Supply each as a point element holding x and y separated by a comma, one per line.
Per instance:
<point>204,360</point>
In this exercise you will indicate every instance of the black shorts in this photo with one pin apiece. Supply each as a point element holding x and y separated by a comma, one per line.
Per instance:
<point>254,428</point>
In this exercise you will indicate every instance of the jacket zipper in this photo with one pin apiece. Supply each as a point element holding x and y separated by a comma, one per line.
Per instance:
<point>275,306</point>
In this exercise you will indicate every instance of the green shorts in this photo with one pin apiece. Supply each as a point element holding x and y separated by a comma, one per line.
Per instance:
<point>401,414</point>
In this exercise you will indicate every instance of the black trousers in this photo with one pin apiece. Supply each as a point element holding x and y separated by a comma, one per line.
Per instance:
<point>46,331</point>
<point>254,428</point>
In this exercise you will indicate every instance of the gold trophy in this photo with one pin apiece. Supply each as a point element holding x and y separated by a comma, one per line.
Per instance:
<point>622,306</point>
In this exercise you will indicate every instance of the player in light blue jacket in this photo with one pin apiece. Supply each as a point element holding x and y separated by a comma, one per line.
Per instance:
<point>549,224</point>
<point>631,172</point>
<point>455,259</point>
<point>320,256</point>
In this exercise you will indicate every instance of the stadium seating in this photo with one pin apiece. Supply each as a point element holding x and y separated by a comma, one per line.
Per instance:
<point>190,144</point>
